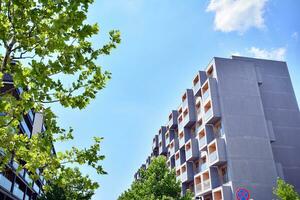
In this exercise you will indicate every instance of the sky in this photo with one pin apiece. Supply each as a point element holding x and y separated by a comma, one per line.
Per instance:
<point>164,44</point>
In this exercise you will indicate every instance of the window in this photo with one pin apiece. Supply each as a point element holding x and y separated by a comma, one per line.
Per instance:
<point>180,119</point>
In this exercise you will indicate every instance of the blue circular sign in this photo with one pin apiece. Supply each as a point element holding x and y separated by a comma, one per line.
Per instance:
<point>242,194</point>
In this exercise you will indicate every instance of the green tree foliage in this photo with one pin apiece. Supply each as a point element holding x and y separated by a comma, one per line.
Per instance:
<point>77,187</point>
<point>157,182</point>
<point>43,43</point>
<point>285,191</point>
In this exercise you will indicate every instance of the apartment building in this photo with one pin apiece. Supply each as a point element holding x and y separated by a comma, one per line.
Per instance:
<point>18,185</point>
<point>238,127</point>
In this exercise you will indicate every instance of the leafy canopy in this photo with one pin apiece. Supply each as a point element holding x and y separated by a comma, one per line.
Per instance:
<point>43,43</point>
<point>285,191</point>
<point>157,182</point>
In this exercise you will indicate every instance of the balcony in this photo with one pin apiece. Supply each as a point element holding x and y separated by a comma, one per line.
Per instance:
<point>204,136</point>
<point>177,159</point>
<point>191,150</point>
<point>210,100</point>
<point>198,185</point>
<point>178,173</point>
<point>172,123</point>
<point>171,162</point>
<point>155,143</point>
<point>211,114</point>
<point>188,116</point>
<point>173,146</point>
<point>183,137</point>
<point>222,193</point>
<point>198,81</point>
<point>216,152</point>
<point>170,135</point>
<point>186,172</point>
<point>5,182</point>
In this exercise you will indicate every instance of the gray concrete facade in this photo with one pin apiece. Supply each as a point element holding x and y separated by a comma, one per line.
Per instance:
<point>238,127</point>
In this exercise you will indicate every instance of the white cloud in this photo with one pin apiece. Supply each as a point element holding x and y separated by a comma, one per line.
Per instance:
<point>237,15</point>
<point>274,54</point>
<point>295,35</point>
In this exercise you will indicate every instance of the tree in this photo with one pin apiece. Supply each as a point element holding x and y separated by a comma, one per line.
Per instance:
<point>157,182</point>
<point>285,191</point>
<point>77,187</point>
<point>43,43</point>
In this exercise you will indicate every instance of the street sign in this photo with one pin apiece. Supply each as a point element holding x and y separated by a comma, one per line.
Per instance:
<point>242,194</point>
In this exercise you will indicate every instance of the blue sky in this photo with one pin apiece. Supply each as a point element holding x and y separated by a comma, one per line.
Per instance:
<point>164,43</point>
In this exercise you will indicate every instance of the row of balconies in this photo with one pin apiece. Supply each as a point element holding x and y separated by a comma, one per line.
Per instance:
<point>213,181</point>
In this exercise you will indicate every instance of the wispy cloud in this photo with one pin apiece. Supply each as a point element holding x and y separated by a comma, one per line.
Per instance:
<point>295,36</point>
<point>275,54</point>
<point>237,15</point>
<point>272,54</point>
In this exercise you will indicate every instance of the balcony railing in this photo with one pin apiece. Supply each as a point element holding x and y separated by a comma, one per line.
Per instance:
<point>213,156</point>
<point>184,103</point>
<point>198,188</point>
<point>206,184</point>
<point>203,167</point>
<point>202,142</point>
<point>205,95</point>
<point>18,193</point>
<point>208,113</point>
<point>5,182</point>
